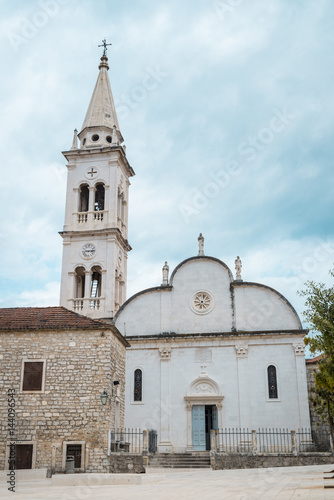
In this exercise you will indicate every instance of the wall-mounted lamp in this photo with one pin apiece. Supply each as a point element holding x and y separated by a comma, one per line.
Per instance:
<point>104,397</point>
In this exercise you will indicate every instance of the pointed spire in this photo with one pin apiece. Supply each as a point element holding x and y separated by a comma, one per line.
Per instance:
<point>101,110</point>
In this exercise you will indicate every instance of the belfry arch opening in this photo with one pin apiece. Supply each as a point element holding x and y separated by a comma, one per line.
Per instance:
<point>80,276</point>
<point>84,198</point>
<point>99,198</point>
<point>96,283</point>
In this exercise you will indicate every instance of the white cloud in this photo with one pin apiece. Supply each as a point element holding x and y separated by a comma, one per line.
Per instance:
<point>225,76</point>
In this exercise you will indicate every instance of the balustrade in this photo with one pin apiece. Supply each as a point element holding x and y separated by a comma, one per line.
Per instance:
<point>87,217</point>
<point>90,304</point>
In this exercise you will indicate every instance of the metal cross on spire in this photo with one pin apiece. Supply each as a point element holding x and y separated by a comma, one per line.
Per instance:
<point>104,45</point>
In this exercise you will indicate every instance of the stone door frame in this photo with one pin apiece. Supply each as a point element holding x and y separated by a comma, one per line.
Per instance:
<point>202,391</point>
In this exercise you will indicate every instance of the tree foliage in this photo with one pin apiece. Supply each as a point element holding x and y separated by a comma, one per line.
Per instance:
<point>319,314</point>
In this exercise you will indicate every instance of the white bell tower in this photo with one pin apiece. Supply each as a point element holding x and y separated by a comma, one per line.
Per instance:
<point>95,245</point>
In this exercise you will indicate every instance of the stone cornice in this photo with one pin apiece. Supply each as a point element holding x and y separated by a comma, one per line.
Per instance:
<point>73,153</point>
<point>174,336</point>
<point>95,232</point>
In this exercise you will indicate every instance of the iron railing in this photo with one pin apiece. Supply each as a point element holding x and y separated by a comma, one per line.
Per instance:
<point>272,440</point>
<point>132,440</point>
<point>235,440</point>
<point>128,440</point>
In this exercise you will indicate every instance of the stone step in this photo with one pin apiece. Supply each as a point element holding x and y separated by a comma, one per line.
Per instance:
<point>199,460</point>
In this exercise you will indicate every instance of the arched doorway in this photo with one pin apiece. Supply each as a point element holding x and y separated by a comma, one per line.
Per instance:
<point>204,412</point>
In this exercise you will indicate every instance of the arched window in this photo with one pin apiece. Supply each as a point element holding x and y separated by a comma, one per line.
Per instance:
<point>99,198</point>
<point>272,382</point>
<point>84,198</point>
<point>138,385</point>
<point>95,290</point>
<point>79,283</point>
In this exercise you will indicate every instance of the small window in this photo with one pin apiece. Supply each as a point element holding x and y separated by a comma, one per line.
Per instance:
<point>95,137</point>
<point>32,376</point>
<point>272,382</point>
<point>108,138</point>
<point>138,385</point>
<point>75,450</point>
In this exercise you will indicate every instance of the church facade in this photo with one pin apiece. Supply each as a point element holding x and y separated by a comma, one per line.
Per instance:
<point>207,350</point>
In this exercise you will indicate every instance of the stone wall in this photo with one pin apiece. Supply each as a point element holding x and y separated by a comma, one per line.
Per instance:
<point>320,429</point>
<point>125,463</point>
<point>242,461</point>
<point>80,365</point>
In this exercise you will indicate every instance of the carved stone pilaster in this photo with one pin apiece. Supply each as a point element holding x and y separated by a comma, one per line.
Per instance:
<point>165,353</point>
<point>299,349</point>
<point>241,351</point>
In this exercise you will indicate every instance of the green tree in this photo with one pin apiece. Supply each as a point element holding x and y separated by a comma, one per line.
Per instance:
<point>319,314</point>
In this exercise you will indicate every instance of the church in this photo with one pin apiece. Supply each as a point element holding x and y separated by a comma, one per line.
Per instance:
<point>208,349</point>
<point>203,350</point>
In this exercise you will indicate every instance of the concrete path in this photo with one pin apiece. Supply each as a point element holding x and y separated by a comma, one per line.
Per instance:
<point>284,483</point>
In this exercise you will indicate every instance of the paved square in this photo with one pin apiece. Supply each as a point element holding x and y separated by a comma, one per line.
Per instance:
<point>288,483</point>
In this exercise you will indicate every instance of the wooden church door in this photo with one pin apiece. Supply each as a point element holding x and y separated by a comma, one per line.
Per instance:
<point>198,428</point>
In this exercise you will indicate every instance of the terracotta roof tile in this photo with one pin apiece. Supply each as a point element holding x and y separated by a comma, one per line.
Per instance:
<point>315,360</point>
<point>45,318</point>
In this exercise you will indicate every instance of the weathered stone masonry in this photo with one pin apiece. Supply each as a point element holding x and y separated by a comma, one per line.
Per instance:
<point>80,365</point>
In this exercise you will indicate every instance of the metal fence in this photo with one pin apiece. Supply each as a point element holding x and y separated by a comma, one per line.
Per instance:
<point>272,440</point>
<point>234,440</point>
<point>128,440</point>
<point>132,440</point>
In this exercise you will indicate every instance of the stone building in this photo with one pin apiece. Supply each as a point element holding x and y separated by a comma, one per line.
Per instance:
<point>55,365</point>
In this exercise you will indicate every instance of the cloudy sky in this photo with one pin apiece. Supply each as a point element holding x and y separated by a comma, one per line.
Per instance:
<point>232,137</point>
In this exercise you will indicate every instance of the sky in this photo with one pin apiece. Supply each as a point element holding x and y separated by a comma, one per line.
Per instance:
<point>232,136</point>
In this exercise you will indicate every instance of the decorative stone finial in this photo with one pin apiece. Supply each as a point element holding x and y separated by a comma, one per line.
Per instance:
<point>200,244</point>
<point>165,271</point>
<point>114,139</point>
<point>238,266</point>
<point>104,62</point>
<point>75,140</point>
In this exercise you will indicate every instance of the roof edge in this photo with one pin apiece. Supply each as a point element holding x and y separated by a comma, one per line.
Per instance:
<point>167,288</point>
<point>260,285</point>
<point>200,257</point>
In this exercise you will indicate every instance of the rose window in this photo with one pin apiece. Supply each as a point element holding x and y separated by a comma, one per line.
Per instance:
<point>202,302</point>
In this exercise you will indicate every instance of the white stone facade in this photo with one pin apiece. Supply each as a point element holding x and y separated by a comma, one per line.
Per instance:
<point>206,340</point>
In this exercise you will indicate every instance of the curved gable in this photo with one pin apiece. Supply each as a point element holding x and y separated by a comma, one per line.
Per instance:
<point>203,298</point>
<point>259,308</point>
<point>172,308</point>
